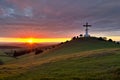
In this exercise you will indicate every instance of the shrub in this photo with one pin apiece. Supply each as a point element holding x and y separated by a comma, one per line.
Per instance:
<point>105,38</point>
<point>38,51</point>
<point>100,38</point>
<point>117,42</point>
<point>77,37</point>
<point>110,40</point>
<point>20,53</point>
<point>73,38</point>
<point>81,35</point>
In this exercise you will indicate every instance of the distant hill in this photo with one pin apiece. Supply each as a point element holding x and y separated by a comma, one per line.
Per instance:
<point>78,59</point>
<point>25,45</point>
<point>8,47</point>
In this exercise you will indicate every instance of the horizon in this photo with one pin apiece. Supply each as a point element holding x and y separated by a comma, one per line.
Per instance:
<point>41,40</point>
<point>33,40</point>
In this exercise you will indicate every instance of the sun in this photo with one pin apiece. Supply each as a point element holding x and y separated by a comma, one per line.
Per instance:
<point>30,41</point>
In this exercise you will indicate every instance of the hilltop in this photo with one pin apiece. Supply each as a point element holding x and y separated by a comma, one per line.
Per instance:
<point>84,44</point>
<point>78,59</point>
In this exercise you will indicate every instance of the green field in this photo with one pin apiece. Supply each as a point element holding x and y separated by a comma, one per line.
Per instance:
<point>80,59</point>
<point>4,57</point>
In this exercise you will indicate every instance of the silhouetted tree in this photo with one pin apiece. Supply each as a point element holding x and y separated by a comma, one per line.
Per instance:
<point>61,43</point>
<point>66,41</point>
<point>38,51</point>
<point>100,38</point>
<point>110,40</point>
<point>104,38</point>
<point>81,35</point>
<point>74,38</point>
<point>117,42</point>
<point>20,53</point>
<point>77,37</point>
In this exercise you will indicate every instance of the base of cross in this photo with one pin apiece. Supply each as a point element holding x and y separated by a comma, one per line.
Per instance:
<point>86,35</point>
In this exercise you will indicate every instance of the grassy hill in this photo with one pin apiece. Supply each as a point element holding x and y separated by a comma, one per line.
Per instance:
<point>5,50</point>
<point>4,57</point>
<point>79,59</point>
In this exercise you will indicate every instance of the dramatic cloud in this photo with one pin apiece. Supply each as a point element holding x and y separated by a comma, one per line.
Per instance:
<point>60,18</point>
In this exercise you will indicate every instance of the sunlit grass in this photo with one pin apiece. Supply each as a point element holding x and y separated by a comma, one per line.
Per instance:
<point>99,64</point>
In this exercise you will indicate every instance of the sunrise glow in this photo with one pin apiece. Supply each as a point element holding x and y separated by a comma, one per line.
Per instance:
<point>116,38</point>
<point>33,40</point>
<point>30,41</point>
<point>43,40</point>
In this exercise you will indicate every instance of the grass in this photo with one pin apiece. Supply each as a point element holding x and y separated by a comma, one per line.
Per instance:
<point>86,67</point>
<point>75,60</point>
<point>4,58</point>
<point>81,45</point>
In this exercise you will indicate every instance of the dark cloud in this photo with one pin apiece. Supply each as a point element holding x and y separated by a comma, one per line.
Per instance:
<point>60,18</point>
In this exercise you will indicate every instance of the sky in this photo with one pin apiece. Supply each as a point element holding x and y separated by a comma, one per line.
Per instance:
<point>59,18</point>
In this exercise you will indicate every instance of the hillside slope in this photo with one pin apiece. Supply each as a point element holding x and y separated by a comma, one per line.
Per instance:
<point>80,45</point>
<point>100,65</point>
<point>67,48</point>
<point>79,59</point>
<point>4,57</point>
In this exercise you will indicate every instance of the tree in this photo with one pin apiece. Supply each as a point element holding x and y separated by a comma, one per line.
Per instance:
<point>74,38</point>
<point>77,37</point>
<point>110,40</point>
<point>101,39</point>
<point>81,35</point>
<point>105,38</point>
<point>38,51</point>
<point>118,42</point>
